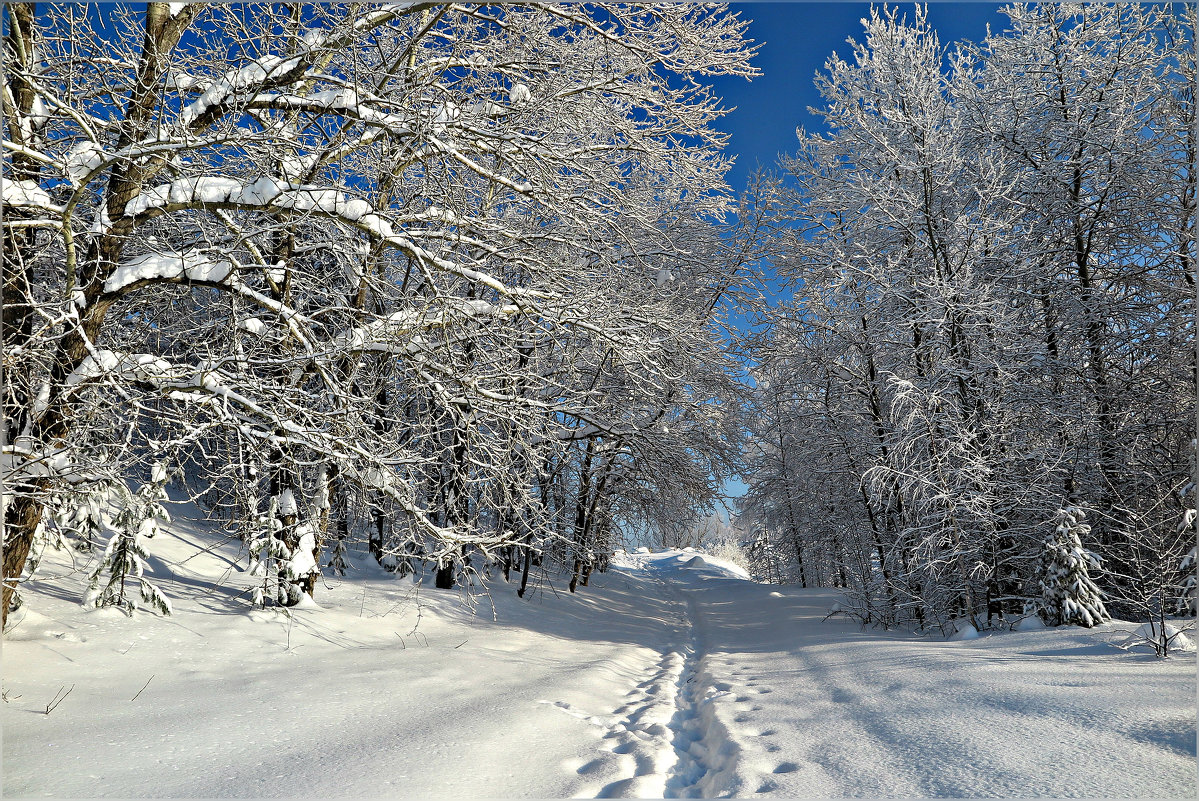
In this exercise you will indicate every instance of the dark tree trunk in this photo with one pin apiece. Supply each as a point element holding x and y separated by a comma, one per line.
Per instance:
<point>524,574</point>
<point>378,532</point>
<point>582,506</point>
<point>444,578</point>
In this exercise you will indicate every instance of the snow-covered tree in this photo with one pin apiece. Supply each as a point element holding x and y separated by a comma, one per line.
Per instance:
<point>269,556</point>
<point>1069,595</point>
<point>990,251</point>
<point>138,518</point>
<point>1089,104</point>
<point>384,240</point>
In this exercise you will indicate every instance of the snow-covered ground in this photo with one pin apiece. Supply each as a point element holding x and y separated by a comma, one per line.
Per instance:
<point>671,675</point>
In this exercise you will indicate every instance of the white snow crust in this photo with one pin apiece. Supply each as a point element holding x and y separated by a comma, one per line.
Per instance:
<point>669,675</point>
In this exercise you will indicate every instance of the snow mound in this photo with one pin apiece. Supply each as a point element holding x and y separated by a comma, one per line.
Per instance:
<point>963,630</point>
<point>306,602</point>
<point>713,565</point>
<point>1149,633</point>
<point>623,559</point>
<point>27,624</point>
<point>1030,623</point>
<point>722,567</point>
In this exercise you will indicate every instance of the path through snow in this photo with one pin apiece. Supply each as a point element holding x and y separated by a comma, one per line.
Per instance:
<point>669,676</point>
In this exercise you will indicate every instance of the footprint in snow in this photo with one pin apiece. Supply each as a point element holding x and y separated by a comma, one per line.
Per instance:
<point>786,767</point>
<point>570,710</point>
<point>590,767</point>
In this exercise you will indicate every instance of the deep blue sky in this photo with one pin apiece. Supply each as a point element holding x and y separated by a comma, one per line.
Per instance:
<point>797,38</point>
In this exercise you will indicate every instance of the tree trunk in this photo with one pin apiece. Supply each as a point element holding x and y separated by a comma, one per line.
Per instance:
<point>524,574</point>
<point>444,578</point>
<point>582,506</point>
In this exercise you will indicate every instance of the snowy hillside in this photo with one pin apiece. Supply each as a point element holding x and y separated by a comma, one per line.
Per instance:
<point>671,675</point>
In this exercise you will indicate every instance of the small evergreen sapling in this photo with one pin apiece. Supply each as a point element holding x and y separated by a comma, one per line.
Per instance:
<point>272,556</point>
<point>302,569</point>
<point>298,572</point>
<point>267,551</point>
<point>1068,594</point>
<point>141,513</point>
<point>337,558</point>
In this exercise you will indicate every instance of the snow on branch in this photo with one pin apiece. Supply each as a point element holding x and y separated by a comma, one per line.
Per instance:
<point>378,334</point>
<point>191,265</point>
<point>249,76</point>
<point>27,194</point>
<point>262,192</point>
<point>268,192</point>
<point>344,100</point>
<point>269,70</point>
<point>137,367</point>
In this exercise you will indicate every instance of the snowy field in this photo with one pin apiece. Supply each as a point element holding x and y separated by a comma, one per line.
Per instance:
<point>671,675</point>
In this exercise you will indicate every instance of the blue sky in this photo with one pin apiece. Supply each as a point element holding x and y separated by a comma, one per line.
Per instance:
<point>797,38</point>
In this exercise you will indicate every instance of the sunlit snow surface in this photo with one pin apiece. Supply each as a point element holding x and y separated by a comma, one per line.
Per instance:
<point>670,675</point>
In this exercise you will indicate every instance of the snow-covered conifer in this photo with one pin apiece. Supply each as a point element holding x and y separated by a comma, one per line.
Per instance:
<point>268,552</point>
<point>1068,594</point>
<point>123,561</point>
<point>337,557</point>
